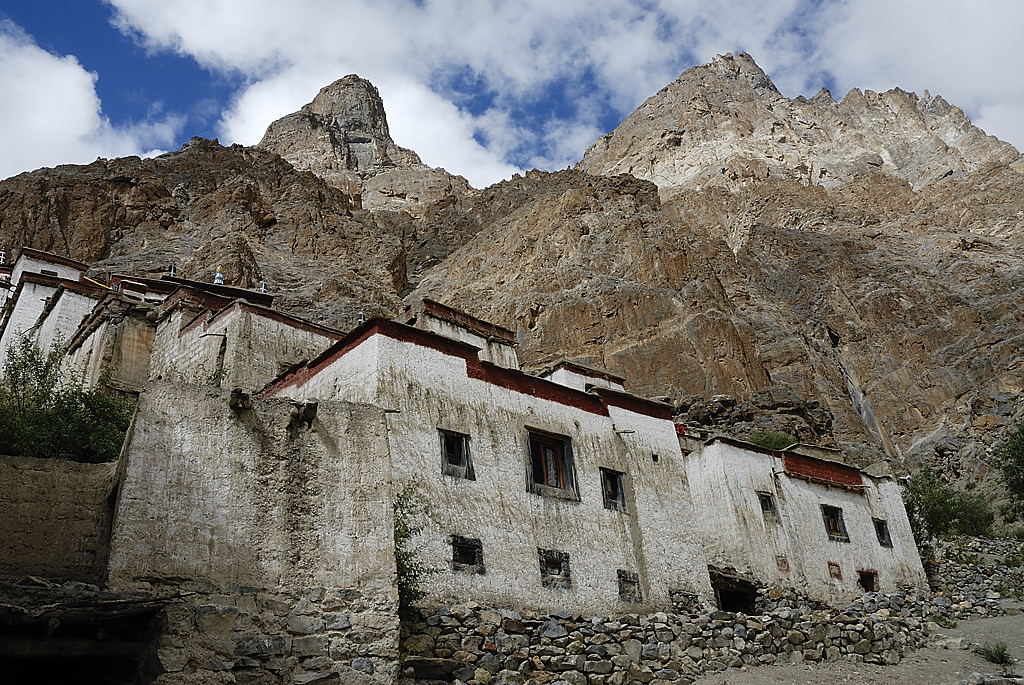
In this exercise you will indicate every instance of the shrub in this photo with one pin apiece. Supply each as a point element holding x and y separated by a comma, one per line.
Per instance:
<point>997,653</point>
<point>771,440</point>
<point>1009,458</point>
<point>935,509</point>
<point>41,416</point>
<point>411,571</point>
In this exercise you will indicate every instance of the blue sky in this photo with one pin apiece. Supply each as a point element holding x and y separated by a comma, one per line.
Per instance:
<point>481,87</point>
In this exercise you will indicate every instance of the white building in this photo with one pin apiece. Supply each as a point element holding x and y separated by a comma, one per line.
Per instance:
<point>537,493</point>
<point>798,518</point>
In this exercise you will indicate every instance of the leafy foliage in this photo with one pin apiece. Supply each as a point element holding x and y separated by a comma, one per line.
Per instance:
<point>40,416</point>
<point>936,509</point>
<point>1009,457</point>
<point>771,440</point>
<point>411,570</point>
<point>997,653</point>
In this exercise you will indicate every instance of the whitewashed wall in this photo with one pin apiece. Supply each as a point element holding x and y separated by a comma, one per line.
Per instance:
<point>31,300</point>
<point>725,480</point>
<point>256,348</point>
<point>430,390</point>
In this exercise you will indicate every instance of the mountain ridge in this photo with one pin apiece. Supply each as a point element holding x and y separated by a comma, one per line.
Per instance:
<point>877,310</point>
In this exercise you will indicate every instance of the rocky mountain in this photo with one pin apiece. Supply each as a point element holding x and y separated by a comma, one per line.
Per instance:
<point>848,272</point>
<point>342,136</point>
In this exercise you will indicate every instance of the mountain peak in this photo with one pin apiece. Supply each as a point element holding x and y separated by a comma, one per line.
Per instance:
<point>726,124</point>
<point>342,136</point>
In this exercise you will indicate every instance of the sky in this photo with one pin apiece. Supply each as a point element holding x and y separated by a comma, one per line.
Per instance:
<point>483,88</point>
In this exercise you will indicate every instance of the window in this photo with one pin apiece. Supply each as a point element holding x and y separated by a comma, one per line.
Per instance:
<point>767,501</point>
<point>554,568</point>
<point>834,525</point>
<point>551,466</point>
<point>467,554</point>
<point>629,586</point>
<point>455,453</point>
<point>835,572</point>
<point>611,489</point>
<point>882,531</point>
<point>868,580</point>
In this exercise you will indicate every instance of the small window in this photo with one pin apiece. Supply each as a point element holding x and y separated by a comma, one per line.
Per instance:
<point>882,531</point>
<point>782,563</point>
<point>551,466</point>
<point>834,525</point>
<point>554,568</point>
<point>868,580</point>
<point>48,272</point>
<point>835,571</point>
<point>455,453</point>
<point>767,501</point>
<point>629,586</point>
<point>611,489</point>
<point>467,554</point>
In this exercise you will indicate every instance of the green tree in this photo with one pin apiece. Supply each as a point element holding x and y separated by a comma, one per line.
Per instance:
<point>1009,457</point>
<point>42,415</point>
<point>936,509</point>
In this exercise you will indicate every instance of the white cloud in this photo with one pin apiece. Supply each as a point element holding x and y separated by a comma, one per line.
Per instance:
<point>51,114</point>
<point>502,61</point>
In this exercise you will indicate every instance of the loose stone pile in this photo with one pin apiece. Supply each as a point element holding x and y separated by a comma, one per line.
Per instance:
<point>975,577</point>
<point>484,646</point>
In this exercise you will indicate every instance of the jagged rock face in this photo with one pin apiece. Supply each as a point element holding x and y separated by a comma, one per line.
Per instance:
<point>876,306</point>
<point>208,206</point>
<point>342,136</point>
<point>725,124</point>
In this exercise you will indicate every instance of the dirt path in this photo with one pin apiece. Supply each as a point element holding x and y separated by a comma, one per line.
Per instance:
<point>934,665</point>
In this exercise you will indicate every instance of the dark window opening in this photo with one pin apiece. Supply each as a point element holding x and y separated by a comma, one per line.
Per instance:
<point>629,586</point>
<point>834,526</point>
<point>782,563</point>
<point>108,645</point>
<point>612,491</point>
<point>455,452</point>
<point>654,457</point>
<point>467,554</point>
<point>551,466</point>
<point>868,580</point>
<point>48,272</point>
<point>733,593</point>
<point>835,572</point>
<point>882,531</point>
<point>554,568</point>
<point>767,501</point>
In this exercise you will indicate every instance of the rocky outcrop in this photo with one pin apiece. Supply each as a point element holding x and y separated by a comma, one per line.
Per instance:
<point>725,124</point>
<point>342,136</point>
<point>888,293</point>
<point>207,206</point>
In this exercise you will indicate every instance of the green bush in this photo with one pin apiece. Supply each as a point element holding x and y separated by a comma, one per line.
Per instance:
<point>771,440</point>
<point>411,571</point>
<point>41,416</point>
<point>997,653</point>
<point>935,509</point>
<point>1009,458</point>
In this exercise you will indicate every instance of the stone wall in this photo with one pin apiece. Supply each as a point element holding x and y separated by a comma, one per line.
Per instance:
<point>327,636</point>
<point>55,520</point>
<point>481,646</point>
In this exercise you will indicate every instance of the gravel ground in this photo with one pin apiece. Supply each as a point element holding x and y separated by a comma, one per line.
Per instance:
<point>949,659</point>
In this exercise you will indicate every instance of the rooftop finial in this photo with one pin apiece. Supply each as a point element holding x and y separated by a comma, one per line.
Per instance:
<point>263,286</point>
<point>219,278</point>
<point>172,270</point>
<point>361,319</point>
